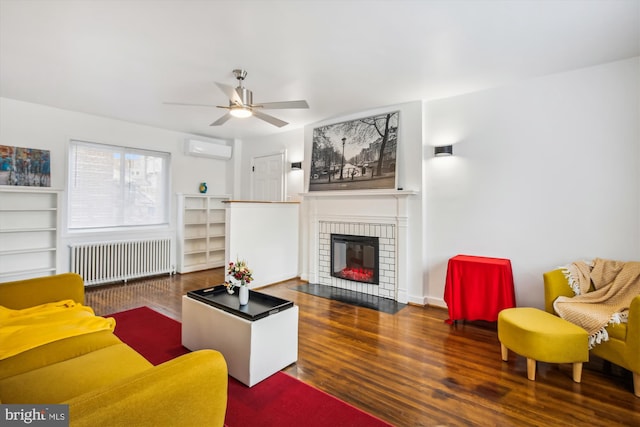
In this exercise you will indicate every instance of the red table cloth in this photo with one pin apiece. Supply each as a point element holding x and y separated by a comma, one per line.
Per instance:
<point>477,288</point>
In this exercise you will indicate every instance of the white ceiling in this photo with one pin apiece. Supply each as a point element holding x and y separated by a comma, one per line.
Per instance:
<point>122,59</point>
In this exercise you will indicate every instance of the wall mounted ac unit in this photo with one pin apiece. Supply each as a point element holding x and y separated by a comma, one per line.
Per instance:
<point>213,150</point>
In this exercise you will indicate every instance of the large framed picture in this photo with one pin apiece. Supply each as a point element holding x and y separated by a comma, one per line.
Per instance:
<point>355,155</point>
<point>27,167</point>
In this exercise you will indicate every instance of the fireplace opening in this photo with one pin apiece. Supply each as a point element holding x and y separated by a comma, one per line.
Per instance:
<point>354,258</point>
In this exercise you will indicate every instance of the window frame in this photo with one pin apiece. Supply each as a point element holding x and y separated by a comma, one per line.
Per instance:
<point>124,151</point>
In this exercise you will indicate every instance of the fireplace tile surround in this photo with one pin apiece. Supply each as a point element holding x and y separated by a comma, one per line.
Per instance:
<point>386,256</point>
<point>373,214</point>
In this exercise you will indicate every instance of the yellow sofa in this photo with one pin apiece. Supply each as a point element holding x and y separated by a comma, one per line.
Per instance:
<point>104,381</point>
<point>623,347</point>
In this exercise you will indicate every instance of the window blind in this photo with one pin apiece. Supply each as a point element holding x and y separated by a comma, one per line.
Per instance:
<point>112,186</point>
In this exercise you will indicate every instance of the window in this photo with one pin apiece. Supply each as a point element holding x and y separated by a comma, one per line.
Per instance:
<point>112,186</point>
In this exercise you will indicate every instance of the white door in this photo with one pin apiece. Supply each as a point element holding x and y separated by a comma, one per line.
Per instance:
<point>268,182</point>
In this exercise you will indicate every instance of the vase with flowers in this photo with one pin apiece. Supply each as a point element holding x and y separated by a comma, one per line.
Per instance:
<point>240,275</point>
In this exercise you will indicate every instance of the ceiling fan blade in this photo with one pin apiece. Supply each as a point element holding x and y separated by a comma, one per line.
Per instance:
<point>221,120</point>
<point>230,92</point>
<point>189,104</point>
<point>269,119</point>
<point>283,104</point>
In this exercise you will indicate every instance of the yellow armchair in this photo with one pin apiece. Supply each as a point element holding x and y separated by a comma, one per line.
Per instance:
<point>623,347</point>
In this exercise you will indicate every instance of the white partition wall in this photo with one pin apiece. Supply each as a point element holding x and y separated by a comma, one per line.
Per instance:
<point>265,235</point>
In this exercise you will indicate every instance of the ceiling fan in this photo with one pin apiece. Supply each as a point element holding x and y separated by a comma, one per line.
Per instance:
<point>241,103</point>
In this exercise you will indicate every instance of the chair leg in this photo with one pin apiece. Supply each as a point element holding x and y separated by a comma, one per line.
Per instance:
<point>577,372</point>
<point>636,384</point>
<point>531,369</point>
<point>504,352</point>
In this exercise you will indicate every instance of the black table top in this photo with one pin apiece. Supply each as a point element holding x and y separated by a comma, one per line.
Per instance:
<point>259,306</point>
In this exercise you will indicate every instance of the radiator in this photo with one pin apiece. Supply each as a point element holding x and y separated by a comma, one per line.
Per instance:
<point>104,262</point>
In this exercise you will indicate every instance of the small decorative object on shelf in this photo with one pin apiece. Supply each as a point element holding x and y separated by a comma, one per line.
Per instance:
<point>203,187</point>
<point>242,276</point>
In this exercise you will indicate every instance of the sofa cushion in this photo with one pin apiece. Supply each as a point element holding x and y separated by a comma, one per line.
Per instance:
<point>189,391</point>
<point>55,352</point>
<point>66,379</point>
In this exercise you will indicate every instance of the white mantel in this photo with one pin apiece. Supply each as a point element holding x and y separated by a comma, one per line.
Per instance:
<point>383,212</point>
<point>358,193</point>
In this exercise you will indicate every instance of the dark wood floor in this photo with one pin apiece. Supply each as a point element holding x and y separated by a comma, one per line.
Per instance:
<point>410,368</point>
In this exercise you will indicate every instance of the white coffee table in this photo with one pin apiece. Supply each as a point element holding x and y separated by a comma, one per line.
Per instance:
<point>253,349</point>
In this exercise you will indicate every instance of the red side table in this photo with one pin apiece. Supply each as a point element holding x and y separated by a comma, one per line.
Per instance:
<point>477,288</point>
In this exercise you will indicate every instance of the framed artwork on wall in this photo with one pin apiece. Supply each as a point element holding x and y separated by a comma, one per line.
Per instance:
<point>355,155</point>
<point>28,167</point>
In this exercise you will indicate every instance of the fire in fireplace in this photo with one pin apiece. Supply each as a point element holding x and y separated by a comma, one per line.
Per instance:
<point>354,258</point>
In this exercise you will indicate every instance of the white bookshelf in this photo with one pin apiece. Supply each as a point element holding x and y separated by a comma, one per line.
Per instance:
<point>201,232</point>
<point>29,223</point>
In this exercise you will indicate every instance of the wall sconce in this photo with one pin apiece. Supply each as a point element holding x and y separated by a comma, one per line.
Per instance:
<point>445,150</point>
<point>296,166</point>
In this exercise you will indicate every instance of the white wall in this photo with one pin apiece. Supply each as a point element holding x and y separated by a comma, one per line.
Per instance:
<point>265,235</point>
<point>290,142</point>
<point>38,126</point>
<point>544,172</point>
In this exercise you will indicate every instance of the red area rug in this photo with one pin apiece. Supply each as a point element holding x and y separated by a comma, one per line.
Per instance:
<point>155,336</point>
<point>280,400</point>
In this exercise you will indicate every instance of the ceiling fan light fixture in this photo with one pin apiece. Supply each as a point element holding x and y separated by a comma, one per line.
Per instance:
<point>241,112</point>
<point>241,104</point>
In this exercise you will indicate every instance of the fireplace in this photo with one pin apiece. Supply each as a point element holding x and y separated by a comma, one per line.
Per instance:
<point>384,216</point>
<point>354,258</point>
